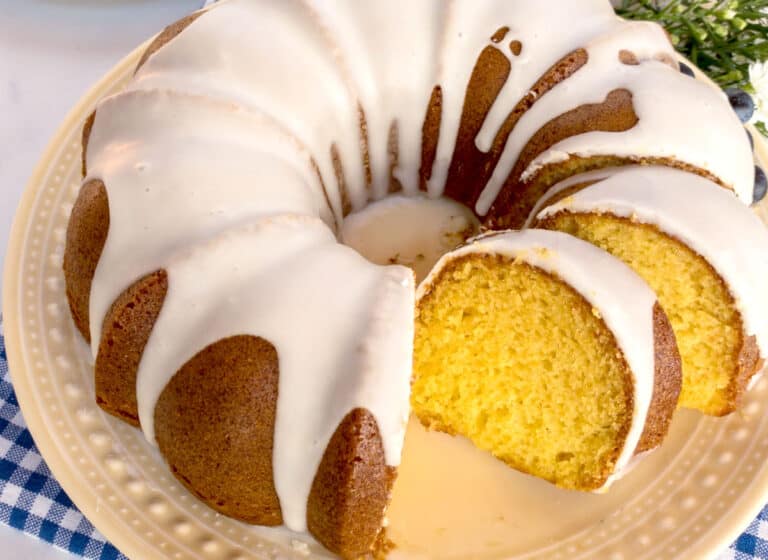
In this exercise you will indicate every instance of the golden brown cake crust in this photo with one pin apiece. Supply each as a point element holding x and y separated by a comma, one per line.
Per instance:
<point>628,57</point>
<point>667,382</point>
<point>214,423</point>
<point>517,198</point>
<point>351,490</point>
<point>565,193</point>
<point>125,332</point>
<point>748,365</point>
<point>365,152</point>
<point>502,216</point>
<point>430,133</point>
<point>86,234</point>
<point>471,168</point>
<point>338,170</point>
<point>166,35</point>
<point>86,136</point>
<point>488,77</point>
<point>393,151</point>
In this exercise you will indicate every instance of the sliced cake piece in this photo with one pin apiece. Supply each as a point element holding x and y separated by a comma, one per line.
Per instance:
<point>546,351</point>
<point>702,251</point>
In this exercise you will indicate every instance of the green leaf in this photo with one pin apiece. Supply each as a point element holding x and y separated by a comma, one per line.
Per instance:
<point>723,39</point>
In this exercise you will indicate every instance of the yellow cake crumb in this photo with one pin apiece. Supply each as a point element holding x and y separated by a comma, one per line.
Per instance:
<point>514,359</point>
<point>704,317</point>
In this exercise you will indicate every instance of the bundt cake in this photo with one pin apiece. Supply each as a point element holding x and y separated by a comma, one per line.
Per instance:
<point>205,258</point>
<point>702,251</point>
<point>547,352</point>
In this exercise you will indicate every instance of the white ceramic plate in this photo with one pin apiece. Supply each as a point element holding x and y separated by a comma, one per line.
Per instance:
<point>691,498</point>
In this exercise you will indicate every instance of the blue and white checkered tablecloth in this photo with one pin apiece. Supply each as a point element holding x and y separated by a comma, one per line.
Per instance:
<point>30,498</point>
<point>32,501</point>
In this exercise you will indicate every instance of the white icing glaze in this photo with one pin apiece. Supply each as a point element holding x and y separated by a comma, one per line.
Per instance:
<point>334,49</point>
<point>342,328</point>
<point>271,57</point>
<point>687,133</point>
<point>676,115</point>
<point>411,230</point>
<point>236,167</point>
<point>359,30</point>
<point>230,165</point>
<point>468,30</point>
<point>700,214</point>
<point>624,301</point>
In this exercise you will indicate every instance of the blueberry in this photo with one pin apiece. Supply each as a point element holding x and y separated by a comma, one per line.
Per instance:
<point>742,103</point>
<point>761,185</point>
<point>687,70</point>
<point>751,140</point>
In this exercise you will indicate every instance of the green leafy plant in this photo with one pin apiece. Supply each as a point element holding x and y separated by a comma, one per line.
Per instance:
<point>723,38</point>
<point>727,39</point>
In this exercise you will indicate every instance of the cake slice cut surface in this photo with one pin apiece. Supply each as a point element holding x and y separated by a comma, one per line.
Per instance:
<point>703,252</point>
<point>518,350</point>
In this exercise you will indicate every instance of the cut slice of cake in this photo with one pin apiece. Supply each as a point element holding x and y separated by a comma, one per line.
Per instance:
<point>702,251</point>
<point>546,351</point>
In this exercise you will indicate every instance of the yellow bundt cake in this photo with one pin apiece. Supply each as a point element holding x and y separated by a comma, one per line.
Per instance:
<point>548,353</point>
<point>703,252</point>
<point>208,257</point>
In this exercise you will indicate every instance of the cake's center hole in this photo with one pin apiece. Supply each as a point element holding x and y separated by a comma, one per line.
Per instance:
<point>411,231</point>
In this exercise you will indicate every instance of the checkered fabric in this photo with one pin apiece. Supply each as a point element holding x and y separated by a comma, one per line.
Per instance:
<point>753,543</point>
<point>30,498</point>
<point>32,501</point>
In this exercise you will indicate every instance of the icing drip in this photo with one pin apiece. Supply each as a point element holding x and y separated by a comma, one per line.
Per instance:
<point>277,43</point>
<point>230,164</point>
<point>292,297</point>
<point>687,134</point>
<point>697,212</point>
<point>623,300</point>
<point>245,170</point>
<point>334,49</point>
<point>679,131</point>
<point>359,30</point>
